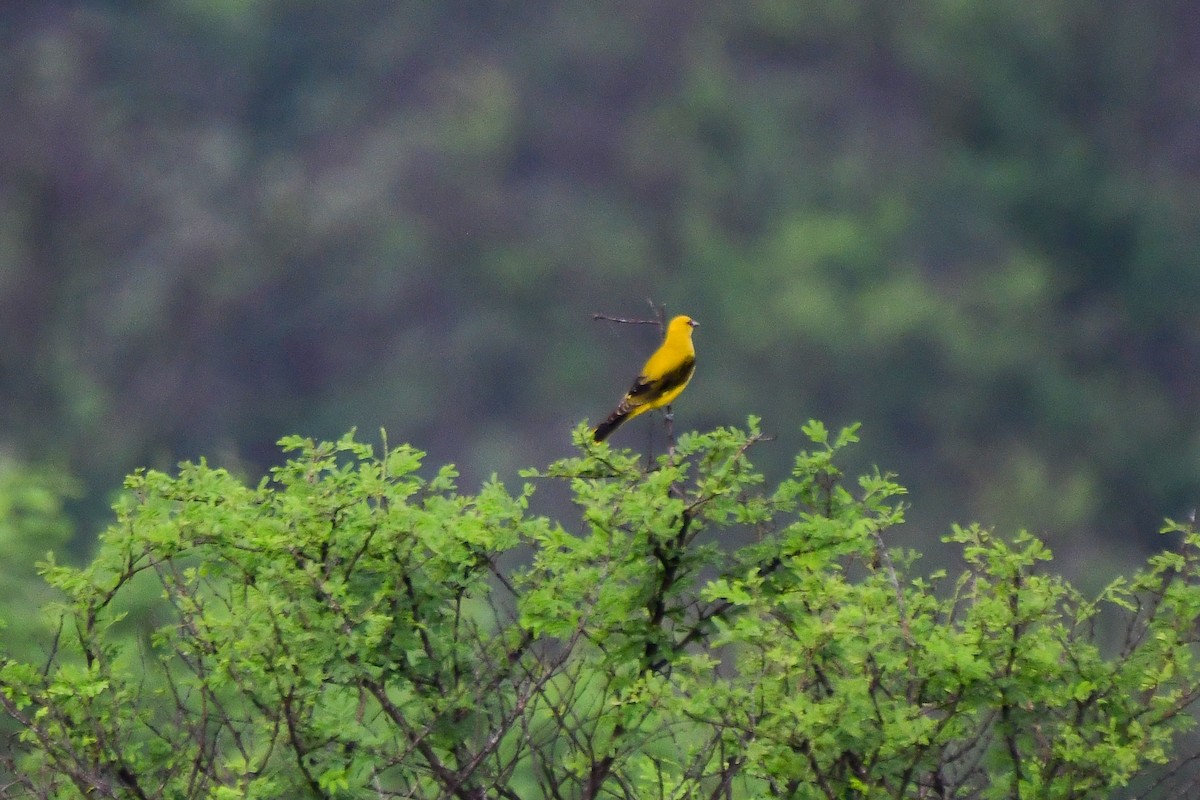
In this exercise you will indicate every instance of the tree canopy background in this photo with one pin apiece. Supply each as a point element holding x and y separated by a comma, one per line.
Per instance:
<point>972,226</point>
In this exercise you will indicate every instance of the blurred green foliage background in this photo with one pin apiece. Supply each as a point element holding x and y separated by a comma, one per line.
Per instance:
<point>972,225</point>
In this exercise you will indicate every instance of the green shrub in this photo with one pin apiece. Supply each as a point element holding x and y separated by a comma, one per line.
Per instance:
<point>349,628</point>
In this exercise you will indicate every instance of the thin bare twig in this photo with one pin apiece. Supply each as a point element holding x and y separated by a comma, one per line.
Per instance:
<point>625,321</point>
<point>660,317</point>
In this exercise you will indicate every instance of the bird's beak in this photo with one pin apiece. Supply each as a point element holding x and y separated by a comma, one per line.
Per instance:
<point>693,323</point>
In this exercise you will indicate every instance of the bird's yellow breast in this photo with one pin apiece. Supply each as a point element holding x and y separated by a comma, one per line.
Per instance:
<point>676,349</point>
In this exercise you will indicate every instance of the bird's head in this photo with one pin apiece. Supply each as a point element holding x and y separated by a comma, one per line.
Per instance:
<point>681,325</point>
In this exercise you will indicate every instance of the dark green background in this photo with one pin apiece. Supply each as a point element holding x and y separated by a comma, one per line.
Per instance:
<point>973,226</point>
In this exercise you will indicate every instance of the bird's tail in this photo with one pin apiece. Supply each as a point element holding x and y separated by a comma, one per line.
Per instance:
<point>611,424</point>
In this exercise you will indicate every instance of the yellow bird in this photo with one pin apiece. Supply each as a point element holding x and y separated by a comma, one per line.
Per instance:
<point>665,375</point>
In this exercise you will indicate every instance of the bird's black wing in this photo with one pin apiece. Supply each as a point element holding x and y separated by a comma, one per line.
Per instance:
<point>645,390</point>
